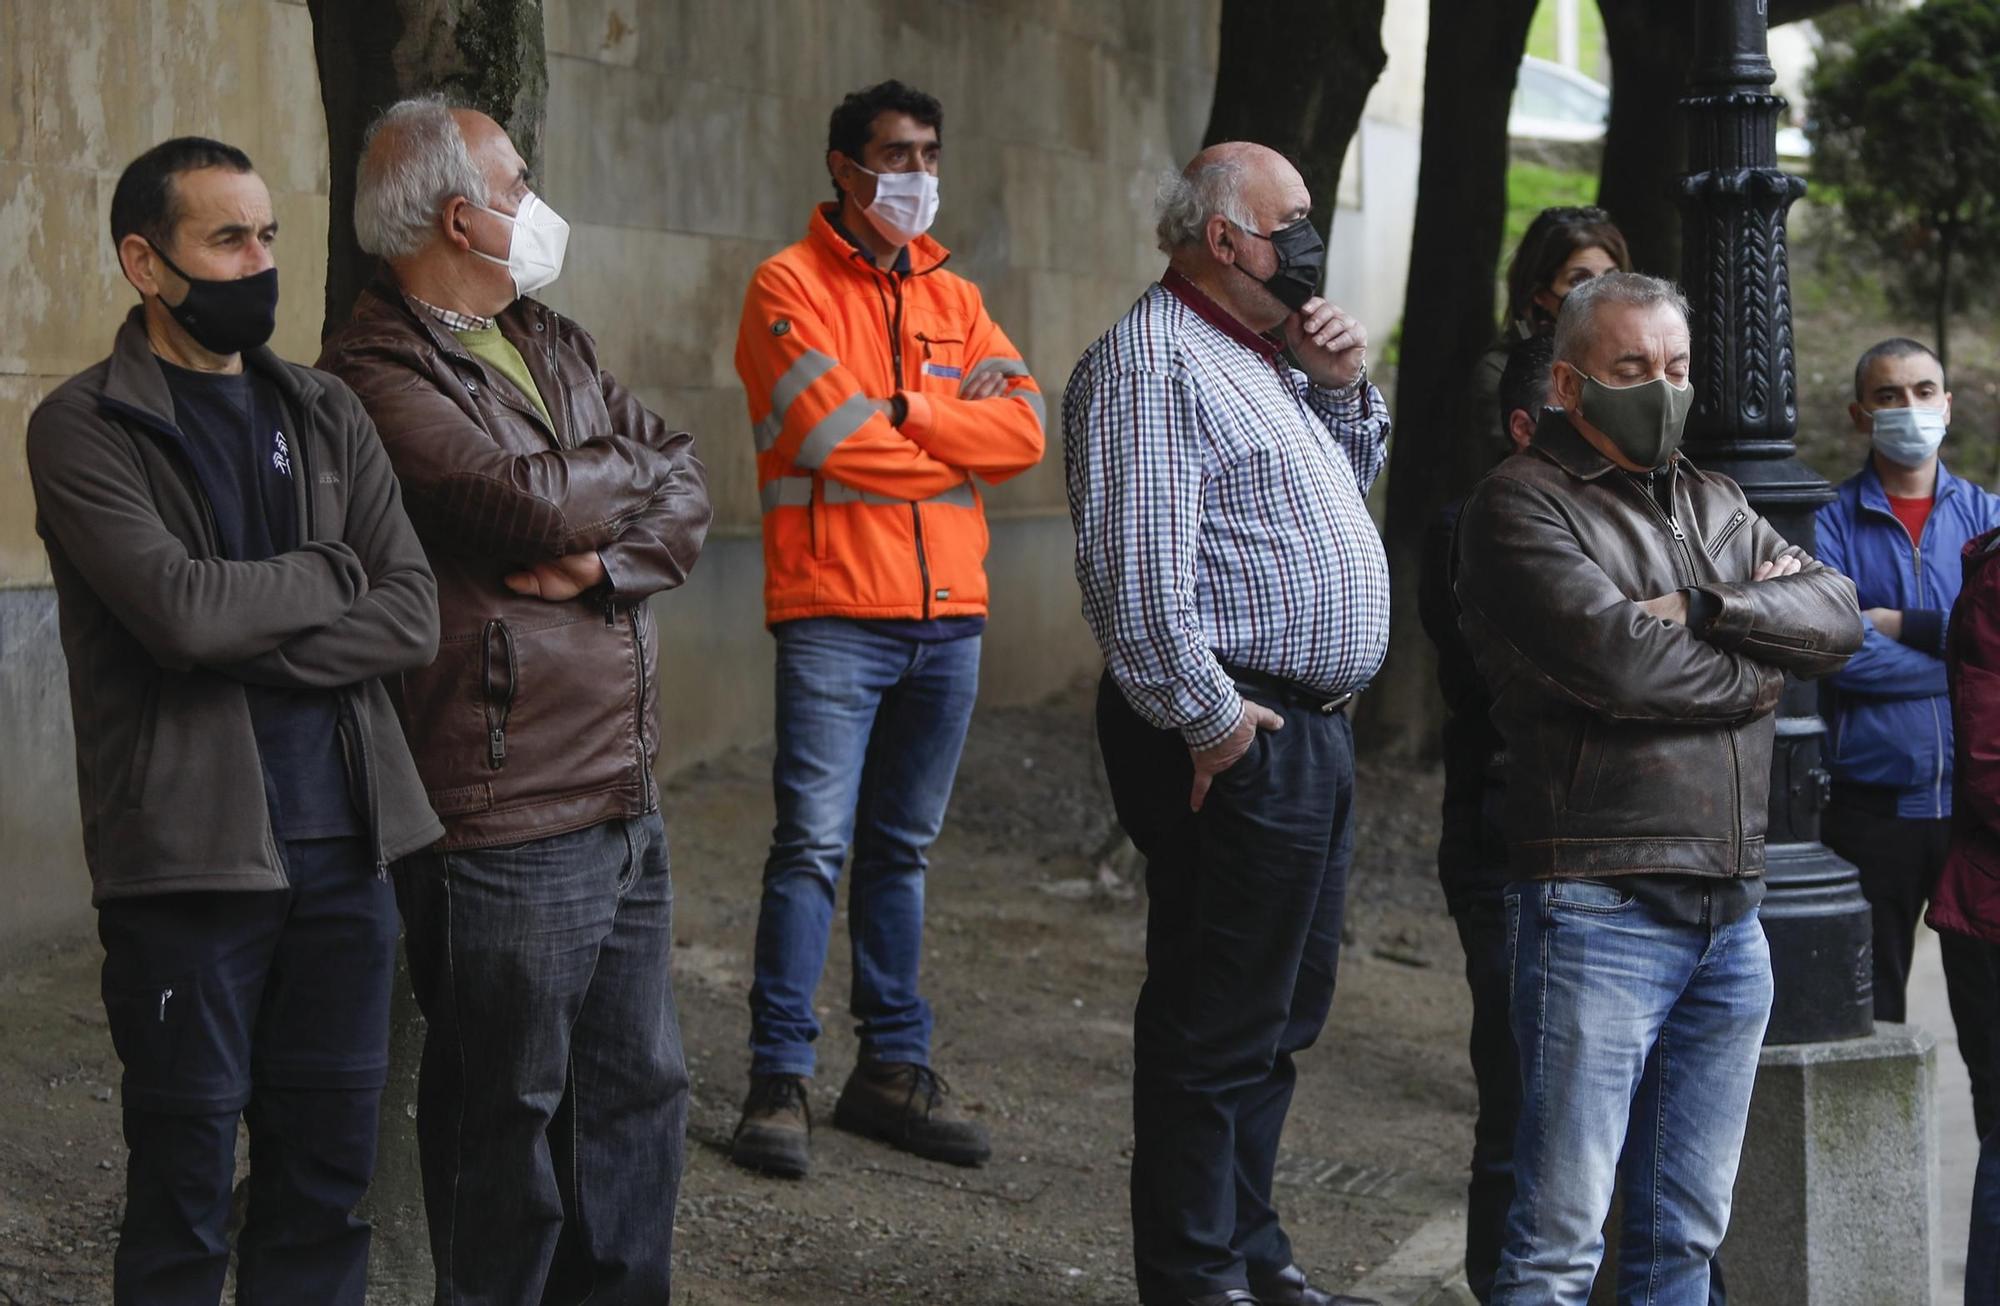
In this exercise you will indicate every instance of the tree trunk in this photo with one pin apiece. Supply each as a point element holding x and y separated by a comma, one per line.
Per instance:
<point>487,55</point>
<point>1645,148</point>
<point>1294,75</point>
<point>482,54</point>
<point>1941,305</point>
<point>1448,322</point>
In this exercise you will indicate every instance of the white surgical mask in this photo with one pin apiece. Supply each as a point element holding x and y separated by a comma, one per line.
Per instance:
<point>906,203</point>
<point>535,254</point>
<point>1908,436</point>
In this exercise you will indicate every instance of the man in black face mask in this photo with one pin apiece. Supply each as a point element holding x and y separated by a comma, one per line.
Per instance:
<point>1633,620</point>
<point>235,573</point>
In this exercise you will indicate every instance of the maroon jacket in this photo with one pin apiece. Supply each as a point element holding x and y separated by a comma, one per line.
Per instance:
<point>1967,899</point>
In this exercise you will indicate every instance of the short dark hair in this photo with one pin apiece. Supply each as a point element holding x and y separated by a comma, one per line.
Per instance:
<point>853,121</point>
<point>146,202</point>
<point>1550,240</point>
<point>1893,347</point>
<point>1524,382</point>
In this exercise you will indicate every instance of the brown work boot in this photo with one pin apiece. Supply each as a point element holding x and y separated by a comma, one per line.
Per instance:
<point>775,1134</point>
<point>909,1106</point>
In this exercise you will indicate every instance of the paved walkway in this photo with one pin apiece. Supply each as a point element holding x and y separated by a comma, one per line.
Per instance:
<point>1958,1147</point>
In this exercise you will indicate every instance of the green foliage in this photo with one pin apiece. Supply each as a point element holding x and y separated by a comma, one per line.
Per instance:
<point>1589,37</point>
<point>1532,187</point>
<point>1906,132</point>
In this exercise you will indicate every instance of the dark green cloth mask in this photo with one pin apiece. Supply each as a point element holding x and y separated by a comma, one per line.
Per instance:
<point>1644,421</point>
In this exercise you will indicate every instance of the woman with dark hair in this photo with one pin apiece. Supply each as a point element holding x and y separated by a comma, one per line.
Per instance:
<point>1562,249</point>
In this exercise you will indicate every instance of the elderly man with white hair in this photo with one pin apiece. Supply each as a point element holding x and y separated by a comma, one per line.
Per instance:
<point>553,1099</point>
<point>1238,589</point>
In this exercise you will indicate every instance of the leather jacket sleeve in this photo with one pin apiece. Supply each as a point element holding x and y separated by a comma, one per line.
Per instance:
<point>463,487</point>
<point>1806,624</point>
<point>1533,604</point>
<point>658,547</point>
<point>394,626</point>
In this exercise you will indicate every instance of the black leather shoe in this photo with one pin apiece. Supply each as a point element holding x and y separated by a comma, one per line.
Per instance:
<point>1288,1287</point>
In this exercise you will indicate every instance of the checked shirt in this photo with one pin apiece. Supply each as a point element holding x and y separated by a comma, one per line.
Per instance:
<point>1217,497</point>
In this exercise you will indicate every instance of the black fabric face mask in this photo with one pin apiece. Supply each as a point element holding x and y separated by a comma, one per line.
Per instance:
<point>1301,255</point>
<point>226,317</point>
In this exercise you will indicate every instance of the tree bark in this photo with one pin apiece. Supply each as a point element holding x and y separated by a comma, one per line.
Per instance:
<point>1294,75</point>
<point>481,54</point>
<point>1448,322</point>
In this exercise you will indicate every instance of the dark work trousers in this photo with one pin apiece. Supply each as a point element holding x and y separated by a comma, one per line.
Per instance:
<point>552,1100</point>
<point>1899,859</point>
<point>274,1007</point>
<point>1244,903</point>
<point>1496,1073</point>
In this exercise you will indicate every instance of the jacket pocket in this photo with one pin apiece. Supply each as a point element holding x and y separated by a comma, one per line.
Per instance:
<point>1727,533</point>
<point>497,679</point>
<point>1586,762</point>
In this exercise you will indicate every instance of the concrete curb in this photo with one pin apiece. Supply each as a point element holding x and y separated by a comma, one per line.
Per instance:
<point>1426,1269</point>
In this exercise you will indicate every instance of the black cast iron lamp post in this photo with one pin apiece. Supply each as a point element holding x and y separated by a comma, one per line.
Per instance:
<point>1734,199</point>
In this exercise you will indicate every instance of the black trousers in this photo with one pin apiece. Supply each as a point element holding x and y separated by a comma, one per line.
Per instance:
<point>271,1006</point>
<point>1242,937</point>
<point>1899,859</point>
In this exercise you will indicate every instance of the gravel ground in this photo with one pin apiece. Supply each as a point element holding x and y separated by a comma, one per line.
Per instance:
<point>1034,958</point>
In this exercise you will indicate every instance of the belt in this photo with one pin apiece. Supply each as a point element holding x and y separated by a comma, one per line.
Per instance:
<point>1292,692</point>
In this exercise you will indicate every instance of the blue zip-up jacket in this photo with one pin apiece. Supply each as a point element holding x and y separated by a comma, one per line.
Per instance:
<point>1887,712</point>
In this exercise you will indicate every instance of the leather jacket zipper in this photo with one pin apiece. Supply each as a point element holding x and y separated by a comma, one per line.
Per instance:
<point>497,700</point>
<point>639,712</point>
<point>1727,533</point>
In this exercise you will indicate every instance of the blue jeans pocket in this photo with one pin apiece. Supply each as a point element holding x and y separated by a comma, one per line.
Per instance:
<point>1595,896</point>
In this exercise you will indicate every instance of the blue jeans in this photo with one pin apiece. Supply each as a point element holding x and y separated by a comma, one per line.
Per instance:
<point>870,728</point>
<point>1624,1018</point>
<point>552,1100</point>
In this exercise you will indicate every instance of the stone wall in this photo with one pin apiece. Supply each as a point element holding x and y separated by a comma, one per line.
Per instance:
<point>685,142</point>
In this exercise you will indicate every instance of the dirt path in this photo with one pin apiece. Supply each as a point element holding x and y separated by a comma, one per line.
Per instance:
<point>1032,967</point>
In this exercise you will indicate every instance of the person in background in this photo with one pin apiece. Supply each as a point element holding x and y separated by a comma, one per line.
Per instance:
<point>1965,903</point>
<point>881,395</point>
<point>552,1102</point>
<point>1897,528</point>
<point>1561,249</point>
<point>1238,589</point>
<point>235,576</point>
<point>1472,847</point>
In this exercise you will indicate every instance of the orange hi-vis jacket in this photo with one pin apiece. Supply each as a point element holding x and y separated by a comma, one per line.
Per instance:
<point>863,518</point>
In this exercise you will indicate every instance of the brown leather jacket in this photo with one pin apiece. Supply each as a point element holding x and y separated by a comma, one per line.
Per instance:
<point>537,717</point>
<point>1636,745</point>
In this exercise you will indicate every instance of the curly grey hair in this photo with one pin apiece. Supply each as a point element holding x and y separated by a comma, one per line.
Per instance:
<point>1579,307</point>
<point>1187,200</point>
<point>413,159</point>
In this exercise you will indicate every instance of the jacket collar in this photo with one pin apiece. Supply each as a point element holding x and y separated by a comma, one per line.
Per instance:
<point>924,254</point>
<point>1875,497</point>
<point>1217,316</point>
<point>135,383</point>
<point>1558,440</point>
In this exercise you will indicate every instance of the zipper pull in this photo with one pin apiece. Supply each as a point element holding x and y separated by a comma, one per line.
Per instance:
<point>610,613</point>
<point>1675,527</point>
<point>496,744</point>
<point>164,995</point>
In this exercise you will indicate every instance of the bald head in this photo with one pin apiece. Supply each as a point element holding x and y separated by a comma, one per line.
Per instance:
<point>418,158</point>
<point>1216,216</point>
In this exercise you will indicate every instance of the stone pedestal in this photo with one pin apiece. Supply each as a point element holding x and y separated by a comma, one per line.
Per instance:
<point>1837,1195</point>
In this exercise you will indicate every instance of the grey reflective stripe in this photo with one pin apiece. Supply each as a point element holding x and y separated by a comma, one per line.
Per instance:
<point>853,413</point>
<point>832,491</point>
<point>805,369</point>
<point>1033,399</point>
<point>786,492</point>
<point>1002,366</point>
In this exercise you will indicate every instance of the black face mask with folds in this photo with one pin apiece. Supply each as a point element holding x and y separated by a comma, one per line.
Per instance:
<point>226,317</point>
<point>1301,255</point>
